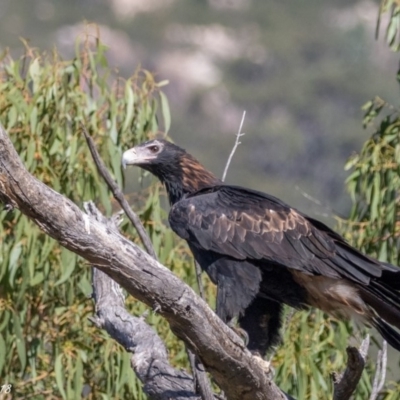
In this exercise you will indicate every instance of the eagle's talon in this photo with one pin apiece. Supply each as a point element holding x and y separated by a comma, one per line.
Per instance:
<point>265,365</point>
<point>240,332</point>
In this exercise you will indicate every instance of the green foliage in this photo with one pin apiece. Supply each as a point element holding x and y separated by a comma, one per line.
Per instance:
<point>392,30</point>
<point>48,348</point>
<point>374,186</point>
<point>313,348</point>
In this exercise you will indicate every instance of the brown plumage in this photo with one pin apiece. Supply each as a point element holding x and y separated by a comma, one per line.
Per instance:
<point>262,253</point>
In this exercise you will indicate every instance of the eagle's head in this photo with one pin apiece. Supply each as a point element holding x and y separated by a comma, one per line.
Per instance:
<point>153,155</point>
<point>178,170</point>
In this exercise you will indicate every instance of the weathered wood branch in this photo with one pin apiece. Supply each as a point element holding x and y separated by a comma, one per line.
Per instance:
<point>149,356</point>
<point>236,371</point>
<point>345,384</point>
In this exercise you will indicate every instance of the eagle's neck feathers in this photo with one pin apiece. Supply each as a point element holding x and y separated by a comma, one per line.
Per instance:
<point>184,177</point>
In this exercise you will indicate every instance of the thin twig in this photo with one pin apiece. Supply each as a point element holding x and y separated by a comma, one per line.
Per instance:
<point>238,136</point>
<point>118,195</point>
<point>201,382</point>
<point>309,197</point>
<point>380,373</point>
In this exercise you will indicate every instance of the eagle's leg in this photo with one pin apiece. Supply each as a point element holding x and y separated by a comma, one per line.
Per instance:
<point>262,321</point>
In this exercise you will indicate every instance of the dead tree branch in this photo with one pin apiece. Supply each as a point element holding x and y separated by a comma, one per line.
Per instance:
<point>233,367</point>
<point>149,355</point>
<point>236,371</point>
<point>345,384</point>
<point>201,382</point>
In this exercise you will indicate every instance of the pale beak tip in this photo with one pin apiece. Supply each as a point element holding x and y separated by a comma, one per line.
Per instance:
<point>126,157</point>
<point>123,162</point>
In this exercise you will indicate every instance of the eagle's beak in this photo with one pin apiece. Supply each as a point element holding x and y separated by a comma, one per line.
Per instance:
<point>135,156</point>
<point>130,157</point>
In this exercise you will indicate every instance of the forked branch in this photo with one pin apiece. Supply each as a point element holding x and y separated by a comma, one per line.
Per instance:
<point>149,357</point>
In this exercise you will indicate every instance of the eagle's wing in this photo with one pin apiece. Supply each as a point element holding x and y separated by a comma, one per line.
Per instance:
<point>245,224</point>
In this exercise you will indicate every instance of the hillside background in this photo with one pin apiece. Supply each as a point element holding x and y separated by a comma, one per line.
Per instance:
<point>301,70</point>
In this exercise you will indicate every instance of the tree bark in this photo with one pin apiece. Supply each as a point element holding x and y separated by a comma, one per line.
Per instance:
<point>235,370</point>
<point>149,357</point>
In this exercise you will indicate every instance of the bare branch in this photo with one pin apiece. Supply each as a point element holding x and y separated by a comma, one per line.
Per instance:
<point>380,373</point>
<point>202,383</point>
<point>345,384</point>
<point>238,136</point>
<point>149,356</point>
<point>118,195</point>
<point>232,366</point>
<point>309,197</point>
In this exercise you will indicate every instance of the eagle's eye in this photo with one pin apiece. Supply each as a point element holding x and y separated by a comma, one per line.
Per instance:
<point>154,149</point>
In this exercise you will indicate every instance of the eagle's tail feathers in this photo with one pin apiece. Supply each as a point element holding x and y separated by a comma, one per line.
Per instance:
<point>388,333</point>
<point>386,304</point>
